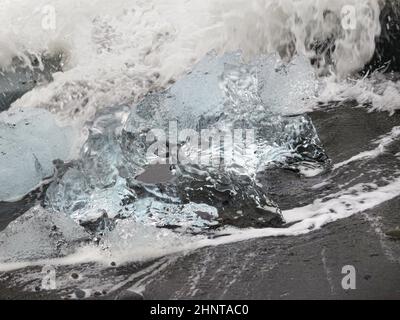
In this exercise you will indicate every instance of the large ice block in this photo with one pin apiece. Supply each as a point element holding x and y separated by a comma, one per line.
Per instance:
<point>212,184</point>
<point>40,234</point>
<point>223,94</point>
<point>30,140</point>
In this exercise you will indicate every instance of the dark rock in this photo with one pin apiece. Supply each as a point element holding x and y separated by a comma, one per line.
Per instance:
<point>97,294</point>
<point>387,51</point>
<point>74,276</point>
<point>99,224</point>
<point>394,234</point>
<point>80,294</point>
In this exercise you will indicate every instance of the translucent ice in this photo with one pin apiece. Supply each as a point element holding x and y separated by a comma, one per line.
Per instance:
<point>222,94</point>
<point>287,88</point>
<point>212,184</point>
<point>94,185</point>
<point>132,239</point>
<point>30,140</point>
<point>40,234</point>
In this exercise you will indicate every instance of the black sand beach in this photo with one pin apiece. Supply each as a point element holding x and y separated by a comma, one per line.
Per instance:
<point>301,267</point>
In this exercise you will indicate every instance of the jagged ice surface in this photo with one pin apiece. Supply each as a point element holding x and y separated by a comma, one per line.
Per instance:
<point>221,94</point>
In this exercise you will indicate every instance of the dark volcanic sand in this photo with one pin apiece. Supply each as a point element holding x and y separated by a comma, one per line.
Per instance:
<point>306,266</point>
<point>303,267</point>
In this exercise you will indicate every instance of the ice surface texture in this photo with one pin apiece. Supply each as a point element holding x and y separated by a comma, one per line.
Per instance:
<point>40,234</point>
<point>221,94</point>
<point>289,88</point>
<point>30,140</point>
<point>224,94</point>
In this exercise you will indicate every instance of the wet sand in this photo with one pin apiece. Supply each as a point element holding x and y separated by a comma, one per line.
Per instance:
<point>302,267</point>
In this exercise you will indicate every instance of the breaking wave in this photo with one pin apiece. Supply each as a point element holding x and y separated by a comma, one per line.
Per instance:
<point>127,67</point>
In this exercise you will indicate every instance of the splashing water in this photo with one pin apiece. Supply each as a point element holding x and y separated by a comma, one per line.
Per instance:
<point>115,52</point>
<point>123,75</point>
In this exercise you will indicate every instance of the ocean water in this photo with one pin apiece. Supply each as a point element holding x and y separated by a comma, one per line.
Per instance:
<point>130,68</point>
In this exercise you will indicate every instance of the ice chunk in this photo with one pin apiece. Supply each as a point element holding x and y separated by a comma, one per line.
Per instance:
<point>95,184</point>
<point>223,95</point>
<point>30,140</point>
<point>195,201</point>
<point>287,88</point>
<point>166,210</point>
<point>73,196</point>
<point>71,193</point>
<point>191,100</point>
<point>40,234</point>
<point>101,155</point>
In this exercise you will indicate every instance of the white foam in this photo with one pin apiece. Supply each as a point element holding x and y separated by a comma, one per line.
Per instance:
<point>322,211</point>
<point>382,145</point>
<point>376,92</point>
<point>114,51</point>
<point>127,245</point>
